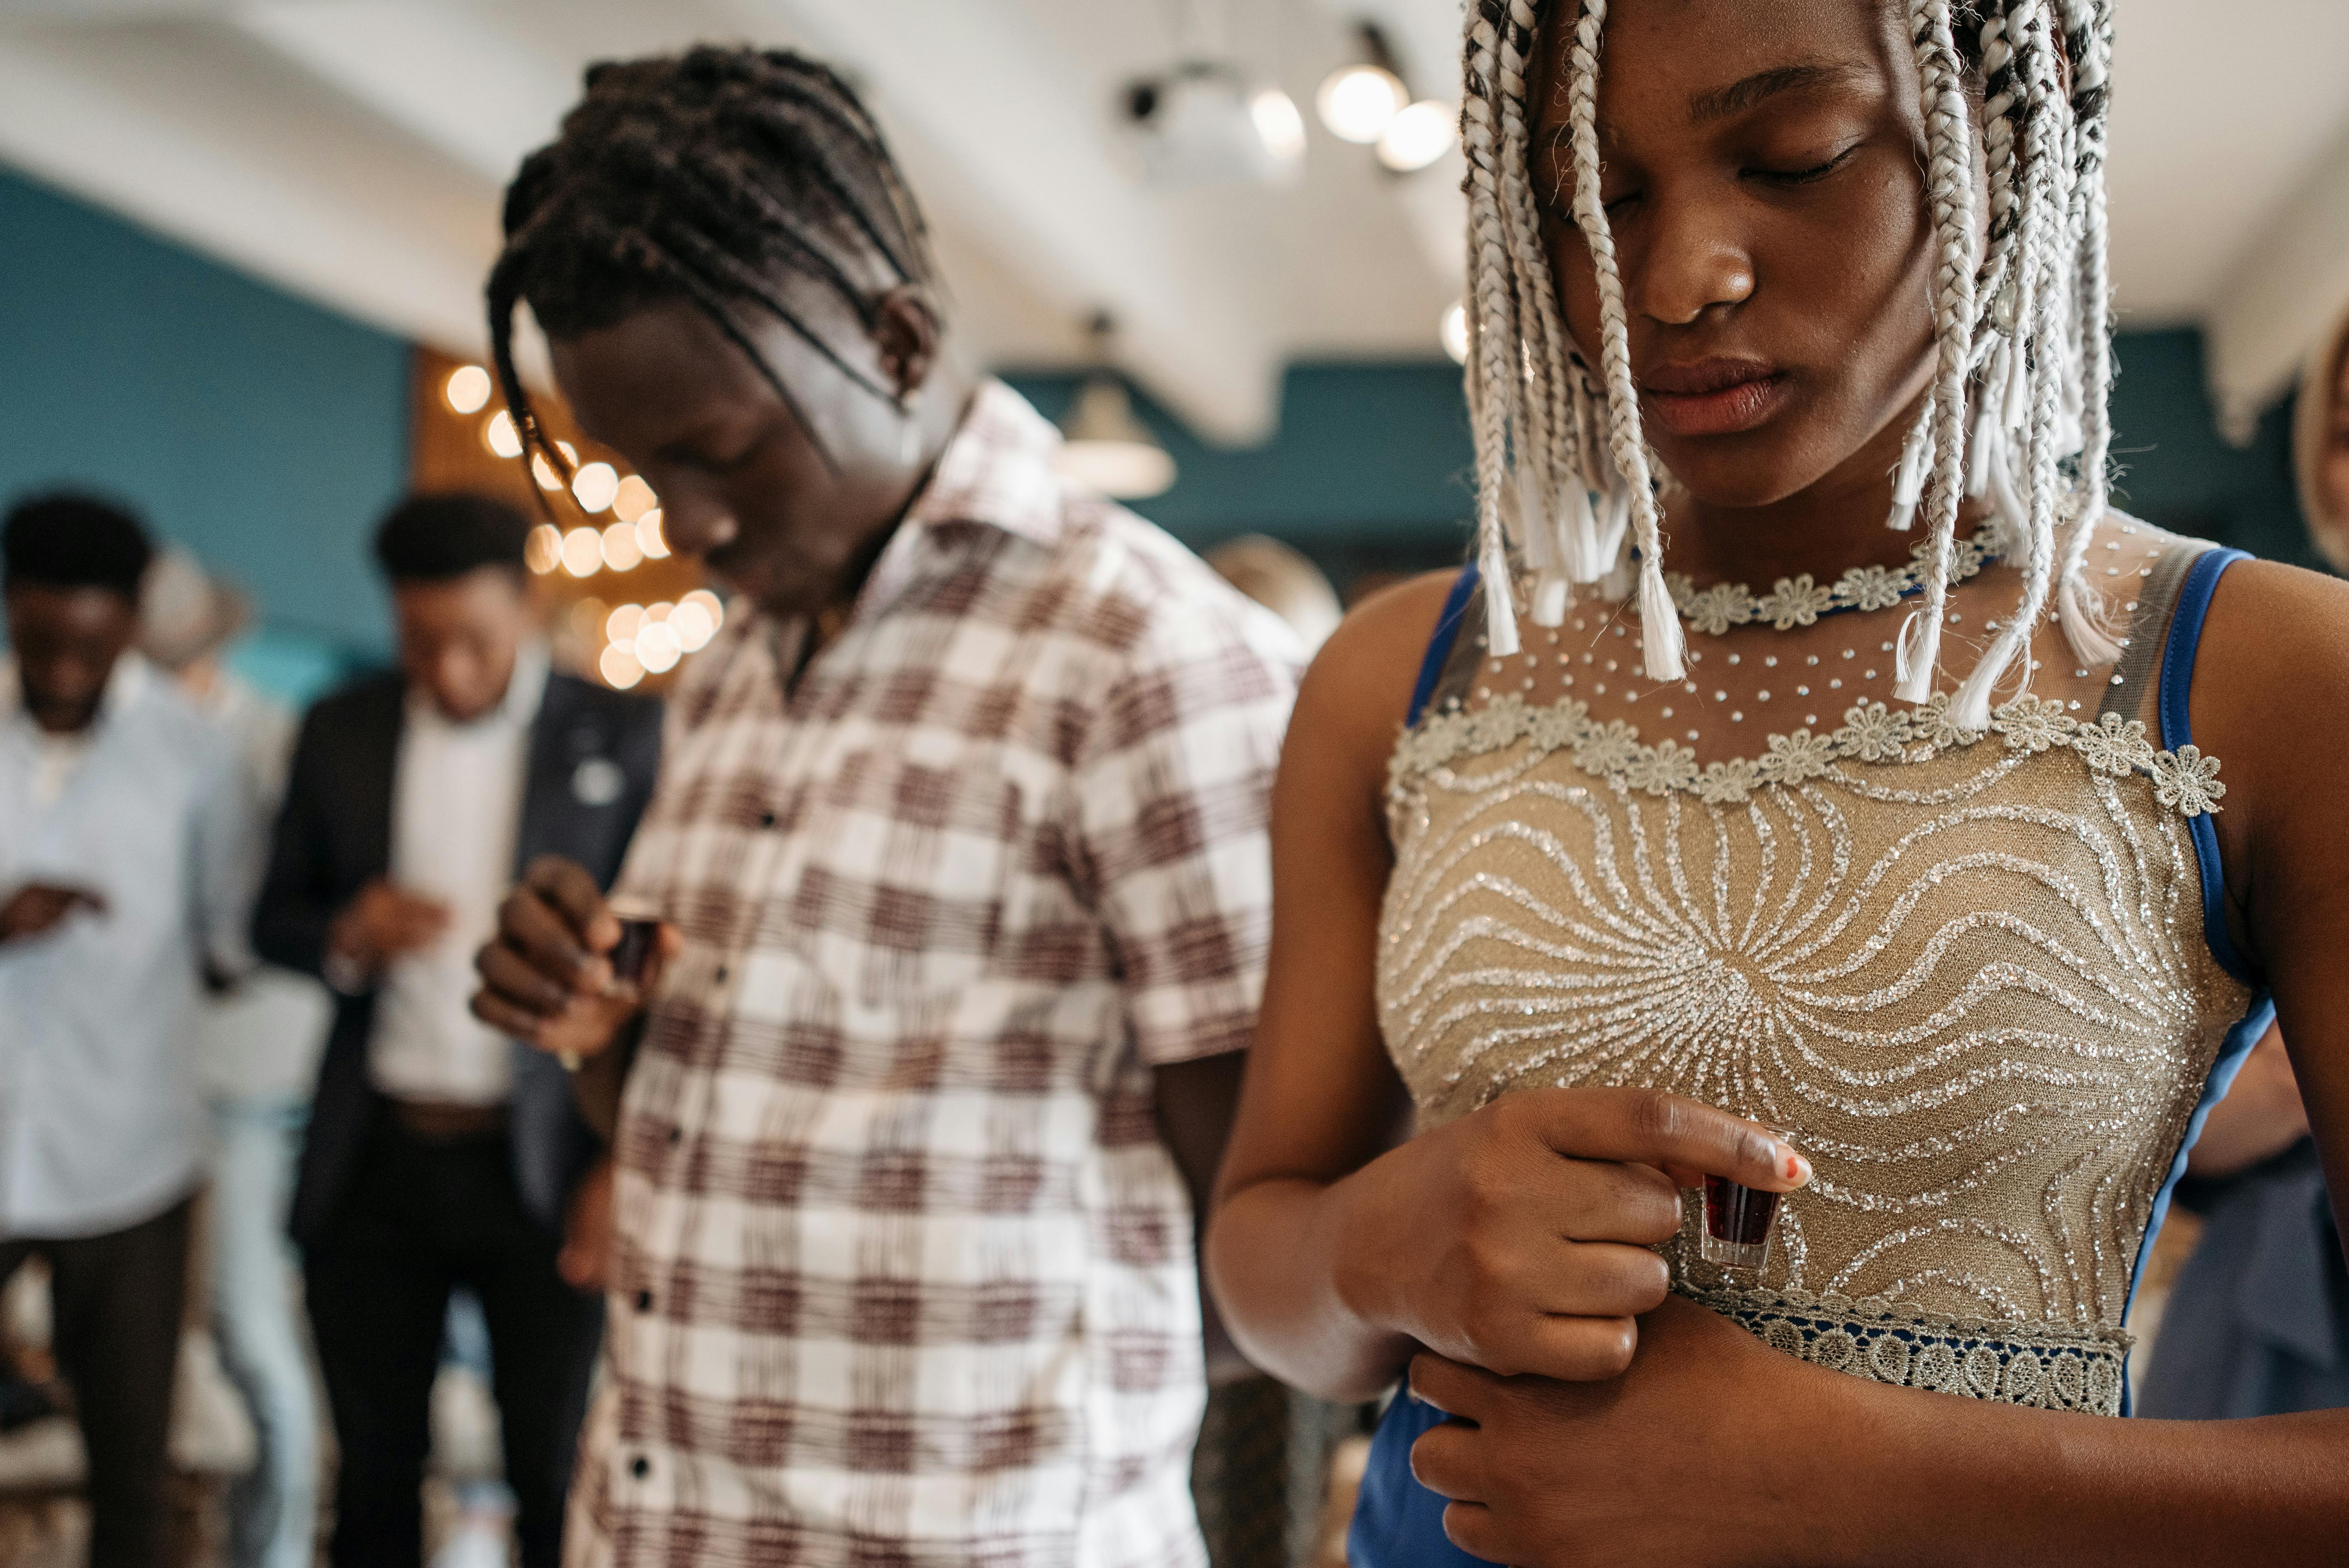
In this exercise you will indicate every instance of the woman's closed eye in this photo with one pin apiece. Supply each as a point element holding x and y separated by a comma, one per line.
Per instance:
<point>1805,170</point>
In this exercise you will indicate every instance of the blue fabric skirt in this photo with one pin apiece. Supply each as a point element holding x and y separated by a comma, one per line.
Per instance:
<point>1399,1523</point>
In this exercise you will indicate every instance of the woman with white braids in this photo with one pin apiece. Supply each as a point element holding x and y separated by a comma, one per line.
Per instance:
<point>1897,884</point>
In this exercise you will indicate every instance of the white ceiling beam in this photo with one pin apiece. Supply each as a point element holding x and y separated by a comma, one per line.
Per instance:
<point>2287,287</point>
<point>990,132</point>
<point>184,126</point>
<point>447,74</point>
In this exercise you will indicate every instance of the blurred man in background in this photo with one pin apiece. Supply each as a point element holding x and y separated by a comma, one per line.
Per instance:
<point>439,1154</point>
<point>256,1057</point>
<point>123,857</point>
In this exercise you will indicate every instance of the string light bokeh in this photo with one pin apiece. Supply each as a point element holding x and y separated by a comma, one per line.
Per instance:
<point>624,611</point>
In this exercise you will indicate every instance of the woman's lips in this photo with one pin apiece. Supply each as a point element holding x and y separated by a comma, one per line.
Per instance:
<point>1715,397</point>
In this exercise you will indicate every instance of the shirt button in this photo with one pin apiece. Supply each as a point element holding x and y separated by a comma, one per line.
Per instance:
<point>676,1136</point>
<point>644,1301</point>
<point>767,820</point>
<point>722,972</point>
<point>642,1467</point>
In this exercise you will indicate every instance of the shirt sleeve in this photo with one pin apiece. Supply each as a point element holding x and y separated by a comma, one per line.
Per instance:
<point>1173,797</point>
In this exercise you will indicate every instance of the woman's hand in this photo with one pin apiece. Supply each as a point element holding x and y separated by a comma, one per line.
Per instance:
<point>1699,1455</point>
<point>1517,1239</point>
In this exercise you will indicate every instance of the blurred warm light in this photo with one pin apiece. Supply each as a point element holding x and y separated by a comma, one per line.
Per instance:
<point>543,471</point>
<point>692,625</point>
<point>1453,330</point>
<point>1359,102</point>
<point>621,551</point>
<point>594,486</point>
<point>543,550</point>
<point>1279,123</point>
<point>583,552</point>
<point>711,604</point>
<point>656,647</point>
<point>619,667</point>
<point>659,612</point>
<point>649,536</point>
<point>633,500</point>
<point>621,626</point>
<point>1418,136</point>
<point>500,437</point>
<point>570,453</point>
<point>467,389</point>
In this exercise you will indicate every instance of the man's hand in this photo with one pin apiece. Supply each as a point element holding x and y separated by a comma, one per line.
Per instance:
<point>1663,1466</point>
<point>585,1261</point>
<point>39,908</point>
<point>383,923</point>
<point>1518,1238</point>
<point>545,979</point>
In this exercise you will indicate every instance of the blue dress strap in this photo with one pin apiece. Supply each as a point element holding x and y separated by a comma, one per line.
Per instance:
<point>2177,651</point>
<point>2174,713</point>
<point>1439,646</point>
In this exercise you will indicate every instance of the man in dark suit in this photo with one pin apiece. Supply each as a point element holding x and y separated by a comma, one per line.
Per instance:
<point>439,1153</point>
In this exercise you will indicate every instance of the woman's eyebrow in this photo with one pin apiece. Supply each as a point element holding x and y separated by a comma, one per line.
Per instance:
<point>1724,103</point>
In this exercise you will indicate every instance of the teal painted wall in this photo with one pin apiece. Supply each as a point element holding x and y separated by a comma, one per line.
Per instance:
<point>262,431</point>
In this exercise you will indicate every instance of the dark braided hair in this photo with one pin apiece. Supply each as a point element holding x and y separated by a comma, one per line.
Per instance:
<point>702,176</point>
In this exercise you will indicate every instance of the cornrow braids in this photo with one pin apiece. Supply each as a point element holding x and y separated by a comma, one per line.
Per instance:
<point>703,176</point>
<point>2023,365</point>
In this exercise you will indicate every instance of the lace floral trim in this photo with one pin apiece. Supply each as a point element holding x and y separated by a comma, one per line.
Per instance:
<point>1801,600</point>
<point>2046,1366</point>
<point>2184,780</point>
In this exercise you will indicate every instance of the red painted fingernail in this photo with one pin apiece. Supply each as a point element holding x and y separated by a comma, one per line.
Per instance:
<point>1798,1170</point>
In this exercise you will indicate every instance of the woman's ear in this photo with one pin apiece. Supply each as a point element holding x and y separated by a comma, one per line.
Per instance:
<point>906,333</point>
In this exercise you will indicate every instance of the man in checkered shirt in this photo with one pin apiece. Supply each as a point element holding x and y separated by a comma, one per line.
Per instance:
<point>960,845</point>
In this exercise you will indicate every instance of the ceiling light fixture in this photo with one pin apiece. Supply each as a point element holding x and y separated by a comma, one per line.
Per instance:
<point>1200,124</point>
<point>1106,447</point>
<point>1359,100</point>
<point>1279,123</point>
<point>1419,136</point>
<point>1452,330</point>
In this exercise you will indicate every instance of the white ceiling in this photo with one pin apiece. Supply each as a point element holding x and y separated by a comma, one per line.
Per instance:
<point>353,151</point>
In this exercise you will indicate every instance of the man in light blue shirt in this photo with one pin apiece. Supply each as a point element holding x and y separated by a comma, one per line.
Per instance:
<point>125,861</point>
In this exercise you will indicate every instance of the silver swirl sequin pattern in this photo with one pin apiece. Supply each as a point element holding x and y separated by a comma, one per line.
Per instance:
<point>1976,987</point>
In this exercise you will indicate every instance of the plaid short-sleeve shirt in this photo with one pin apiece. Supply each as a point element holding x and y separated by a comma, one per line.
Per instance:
<point>905,1276</point>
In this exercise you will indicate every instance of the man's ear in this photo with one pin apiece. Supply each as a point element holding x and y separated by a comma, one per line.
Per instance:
<point>906,333</point>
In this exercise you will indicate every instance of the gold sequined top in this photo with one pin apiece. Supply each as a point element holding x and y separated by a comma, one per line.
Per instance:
<point>1970,972</point>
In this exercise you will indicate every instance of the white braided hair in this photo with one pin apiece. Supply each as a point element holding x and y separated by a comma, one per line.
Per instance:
<point>2017,413</point>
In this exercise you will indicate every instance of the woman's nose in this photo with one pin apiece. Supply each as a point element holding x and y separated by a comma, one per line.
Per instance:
<point>1690,264</point>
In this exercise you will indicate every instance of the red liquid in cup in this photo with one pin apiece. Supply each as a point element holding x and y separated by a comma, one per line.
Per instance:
<point>1736,1212</point>
<point>1738,1220</point>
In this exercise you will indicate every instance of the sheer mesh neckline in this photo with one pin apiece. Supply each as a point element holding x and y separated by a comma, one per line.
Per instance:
<point>1763,706</point>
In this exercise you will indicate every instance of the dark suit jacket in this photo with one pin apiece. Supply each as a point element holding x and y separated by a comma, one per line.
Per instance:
<point>334,837</point>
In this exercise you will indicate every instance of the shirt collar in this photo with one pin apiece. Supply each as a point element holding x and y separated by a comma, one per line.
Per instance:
<point>130,679</point>
<point>526,690</point>
<point>998,472</point>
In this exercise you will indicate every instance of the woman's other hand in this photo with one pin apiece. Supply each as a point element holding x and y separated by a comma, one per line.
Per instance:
<point>1662,1467</point>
